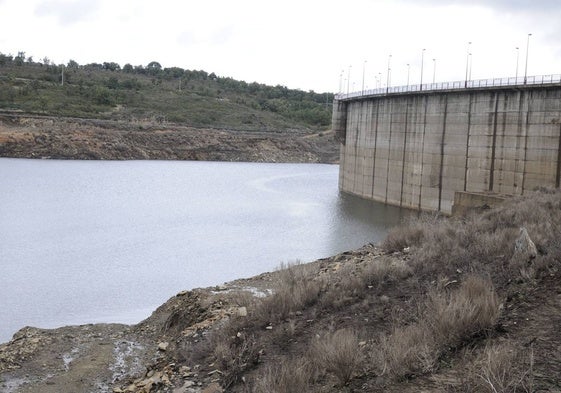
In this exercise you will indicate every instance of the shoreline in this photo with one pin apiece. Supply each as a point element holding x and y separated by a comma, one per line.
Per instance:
<point>440,303</point>
<point>31,359</point>
<point>60,138</point>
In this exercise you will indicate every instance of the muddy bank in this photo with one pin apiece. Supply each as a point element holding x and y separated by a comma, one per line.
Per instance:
<point>63,138</point>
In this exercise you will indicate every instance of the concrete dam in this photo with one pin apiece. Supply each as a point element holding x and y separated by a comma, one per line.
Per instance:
<point>423,148</point>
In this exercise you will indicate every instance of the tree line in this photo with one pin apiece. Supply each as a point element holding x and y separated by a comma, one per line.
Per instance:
<point>309,107</point>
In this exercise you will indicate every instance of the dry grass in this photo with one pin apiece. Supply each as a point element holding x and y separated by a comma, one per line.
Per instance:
<point>287,376</point>
<point>234,356</point>
<point>501,368</point>
<point>337,353</point>
<point>456,316</point>
<point>440,295</point>
<point>406,352</point>
<point>410,234</point>
<point>296,289</point>
<point>447,320</point>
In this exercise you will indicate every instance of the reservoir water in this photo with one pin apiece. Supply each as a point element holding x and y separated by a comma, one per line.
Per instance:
<point>109,241</point>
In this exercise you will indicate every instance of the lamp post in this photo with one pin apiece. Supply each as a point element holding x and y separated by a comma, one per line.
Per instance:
<point>389,71</point>
<point>517,58</point>
<point>379,80</point>
<point>526,68</point>
<point>349,79</point>
<point>422,63</point>
<point>433,70</point>
<point>470,66</point>
<point>363,70</point>
<point>408,69</point>
<point>467,64</point>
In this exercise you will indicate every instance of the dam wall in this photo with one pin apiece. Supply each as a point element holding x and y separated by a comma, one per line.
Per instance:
<point>416,150</point>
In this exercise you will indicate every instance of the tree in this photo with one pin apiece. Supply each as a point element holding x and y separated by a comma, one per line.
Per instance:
<point>128,68</point>
<point>20,58</point>
<point>5,59</point>
<point>111,66</point>
<point>154,67</point>
<point>72,64</point>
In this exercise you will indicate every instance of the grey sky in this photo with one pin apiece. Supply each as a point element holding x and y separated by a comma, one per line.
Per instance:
<point>311,44</point>
<point>68,11</point>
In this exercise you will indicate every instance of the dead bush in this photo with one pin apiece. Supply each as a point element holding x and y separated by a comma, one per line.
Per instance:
<point>385,269</point>
<point>406,352</point>
<point>234,356</point>
<point>459,315</point>
<point>409,234</point>
<point>501,368</point>
<point>338,353</point>
<point>287,376</point>
<point>296,289</point>
<point>445,322</point>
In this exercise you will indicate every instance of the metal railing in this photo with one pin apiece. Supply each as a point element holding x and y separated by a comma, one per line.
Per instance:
<point>458,85</point>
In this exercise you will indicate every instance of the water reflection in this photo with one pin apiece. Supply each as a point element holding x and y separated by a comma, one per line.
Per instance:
<point>363,220</point>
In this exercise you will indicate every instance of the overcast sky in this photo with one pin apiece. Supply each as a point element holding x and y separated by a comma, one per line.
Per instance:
<point>303,44</point>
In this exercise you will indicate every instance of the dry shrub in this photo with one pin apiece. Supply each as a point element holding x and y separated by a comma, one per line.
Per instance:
<point>385,269</point>
<point>344,287</point>
<point>296,289</point>
<point>457,316</point>
<point>501,368</point>
<point>234,356</point>
<point>406,352</point>
<point>287,376</point>
<point>337,353</point>
<point>409,234</point>
<point>447,320</point>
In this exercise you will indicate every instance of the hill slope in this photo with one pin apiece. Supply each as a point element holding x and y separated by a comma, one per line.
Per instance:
<point>100,111</point>
<point>156,94</point>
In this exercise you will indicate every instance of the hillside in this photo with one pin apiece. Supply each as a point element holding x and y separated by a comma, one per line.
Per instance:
<point>103,111</point>
<point>155,94</point>
<point>469,304</point>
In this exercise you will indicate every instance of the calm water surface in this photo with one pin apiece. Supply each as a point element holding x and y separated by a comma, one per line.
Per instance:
<point>109,241</point>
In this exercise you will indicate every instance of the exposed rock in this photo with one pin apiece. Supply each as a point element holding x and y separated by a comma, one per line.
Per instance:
<point>213,388</point>
<point>163,346</point>
<point>524,246</point>
<point>242,312</point>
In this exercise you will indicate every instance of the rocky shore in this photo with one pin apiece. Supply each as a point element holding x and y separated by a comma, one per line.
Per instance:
<point>25,136</point>
<point>146,357</point>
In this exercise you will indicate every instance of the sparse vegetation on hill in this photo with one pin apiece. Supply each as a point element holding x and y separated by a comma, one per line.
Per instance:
<point>151,92</point>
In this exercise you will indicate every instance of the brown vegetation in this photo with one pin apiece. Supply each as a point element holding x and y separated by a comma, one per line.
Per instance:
<point>443,295</point>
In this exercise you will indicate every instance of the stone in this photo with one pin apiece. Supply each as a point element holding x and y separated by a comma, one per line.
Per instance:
<point>163,346</point>
<point>242,311</point>
<point>524,245</point>
<point>213,388</point>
